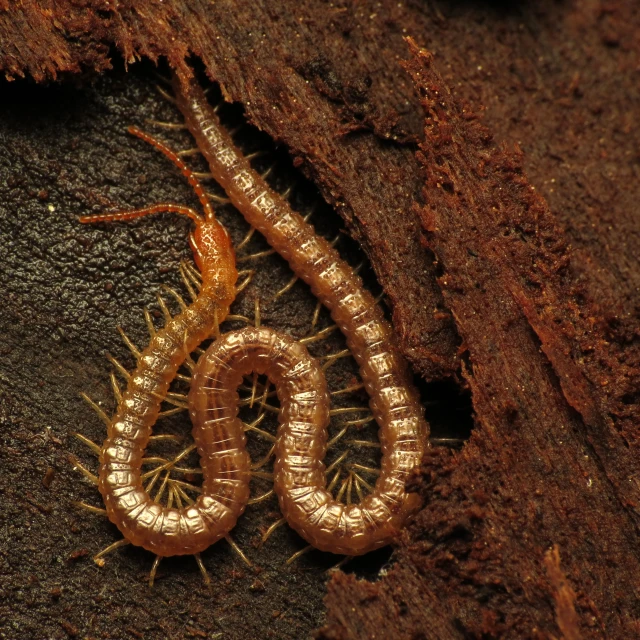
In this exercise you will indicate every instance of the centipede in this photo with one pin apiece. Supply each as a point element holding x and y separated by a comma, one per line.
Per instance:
<point>299,478</point>
<point>301,443</point>
<point>164,530</point>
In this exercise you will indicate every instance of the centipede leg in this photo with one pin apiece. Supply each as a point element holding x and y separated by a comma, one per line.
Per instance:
<point>272,528</point>
<point>83,470</point>
<point>298,554</point>
<point>103,416</point>
<point>187,282</point>
<point>203,570</point>
<point>99,557</point>
<point>238,550</point>
<point>167,125</point>
<point>176,296</point>
<point>89,507</point>
<point>154,569</point>
<point>287,287</point>
<point>132,347</point>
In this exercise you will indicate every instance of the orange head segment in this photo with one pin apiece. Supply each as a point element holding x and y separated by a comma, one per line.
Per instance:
<point>210,242</point>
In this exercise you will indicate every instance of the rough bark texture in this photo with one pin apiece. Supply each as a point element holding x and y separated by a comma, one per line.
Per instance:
<point>508,251</point>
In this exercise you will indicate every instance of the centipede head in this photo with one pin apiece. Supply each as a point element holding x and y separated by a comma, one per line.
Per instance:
<point>210,242</point>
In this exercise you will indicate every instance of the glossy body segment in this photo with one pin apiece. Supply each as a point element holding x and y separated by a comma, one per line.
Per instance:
<point>225,463</point>
<point>394,400</point>
<point>302,438</point>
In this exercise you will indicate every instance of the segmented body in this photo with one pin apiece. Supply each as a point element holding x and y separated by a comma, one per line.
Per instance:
<point>225,462</point>
<point>299,474</point>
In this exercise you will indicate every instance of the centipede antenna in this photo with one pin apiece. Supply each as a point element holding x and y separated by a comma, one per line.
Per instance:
<point>118,365</point>
<point>166,125</point>
<point>238,550</point>
<point>165,95</point>
<point>175,295</point>
<point>261,498</point>
<point>89,507</point>
<point>203,571</point>
<point>194,151</point>
<point>103,416</point>
<point>287,287</point>
<point>98,558</point>
<point>186,172</point>
<point>83,470</point>
<point>246,239</point>
<point>154,569</point>
<point>90,443</point>
<point>132,347</point>
<point>132,214</point>
<point>115,387</point>
<point>298,554</point>
<point>272,528</point>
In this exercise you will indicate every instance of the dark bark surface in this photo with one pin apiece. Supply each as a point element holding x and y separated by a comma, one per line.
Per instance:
<point>507,250</point>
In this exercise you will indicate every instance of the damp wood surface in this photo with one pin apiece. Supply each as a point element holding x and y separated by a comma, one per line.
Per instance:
<point>507,251</point>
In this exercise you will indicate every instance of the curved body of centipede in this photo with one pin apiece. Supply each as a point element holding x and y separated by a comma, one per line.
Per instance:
<point>225,463</point>
<point>299,479</point>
